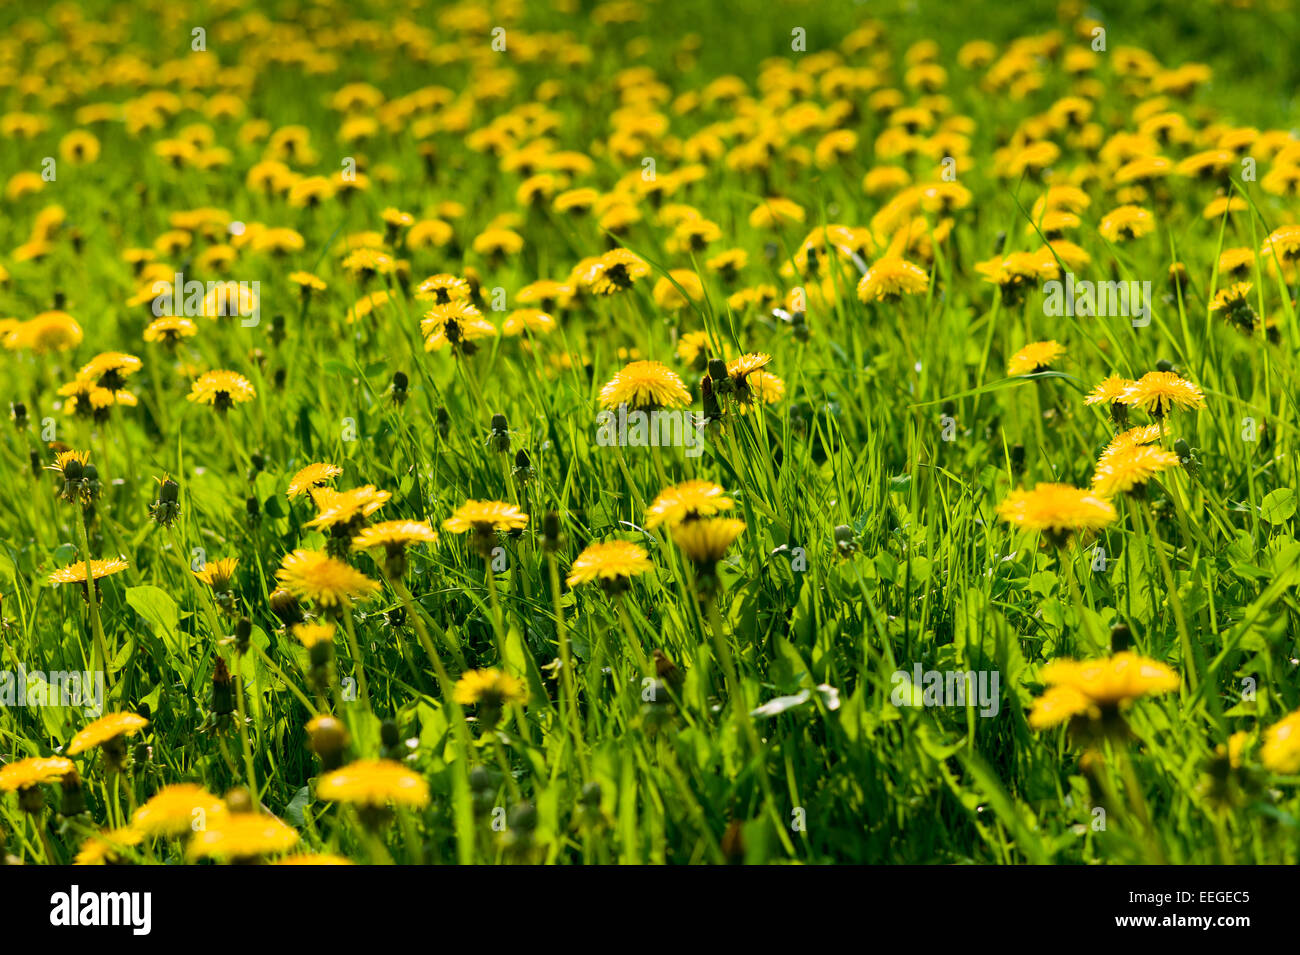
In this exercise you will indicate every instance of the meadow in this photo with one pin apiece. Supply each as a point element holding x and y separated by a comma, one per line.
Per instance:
<point>621,433</point>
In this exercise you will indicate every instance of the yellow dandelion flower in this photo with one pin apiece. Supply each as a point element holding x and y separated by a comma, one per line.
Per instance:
<point>645,386</point>
<point>615,271</point>
<point>374,783</point>
<point>1281,750</point>
<point>489,516</point>
<point>528,321</point>
<point>490,688</point>
<point>704,541</point>
<point>1124,470</point>
<point>1057,510</point>
<point>395,535</point>
<point>99,569</point>
<point>221,389</point>
<point>242,835</point>
<point>1094,687</point>
<point>47,332</point>
<point>1035,357</point>
<point>218,574</point>
<point>110,369</point>
<point>610,563</point>
<point>26,773</point>
<point>442,289</point>
<point>1159,392</point>
<point>687,501</point>
<point>178,809</point>
<point>316,576</point>
<point>1126,222</point>
<point>890,278</point>
<point>107,727</point>
<point>1112,390</point>
<point>312,476</point>
<point>337,508</point>
<point>104,848</point>
<point>169,330</point>
<point>310,634</point>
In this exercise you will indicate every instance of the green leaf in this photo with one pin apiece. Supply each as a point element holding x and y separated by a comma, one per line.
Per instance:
<point>297,805</point>
<point>156,607</point>
<point>1278,506</point>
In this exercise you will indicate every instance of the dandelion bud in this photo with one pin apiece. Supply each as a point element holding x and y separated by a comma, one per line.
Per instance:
<point>243,632</point>
<point>799,325</point>
<point>35,459</point>
<point>90,485</point>
<point>1164,364</point>
<point>717,370</point>
<point>499,440</point>
<point>285,607</point>
<point>480,780</point>
<point>552,532</point>
<point>522,823</point>
<point>1121,638</point>
<point>223,690</point>
<point>328,738</point>
<point>239,800</point>
<point>443,422</point>
<point>72,471</point>
<point>115,752</point>
<point>846,541</point>
<point>320,656</point>
<point>523,467</point>
<point>666,670</point>
<point>1187,455</point>
<point>482,790</point>
<point>390,740</point>
<point>254,510</point>
<point>31,800</point>
<point>399,387</point>
<point>277,329</point>
<point>733,843</point>
<point>74,797</point>
<point>18,411</point>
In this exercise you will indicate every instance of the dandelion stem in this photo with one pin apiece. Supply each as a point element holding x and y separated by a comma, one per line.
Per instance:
<point>92,600</point>
<point>242,712</point>
<point>568,688</point>
<point>355,648</point>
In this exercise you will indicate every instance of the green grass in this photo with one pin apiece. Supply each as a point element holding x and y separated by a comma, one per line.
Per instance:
<point>932,577</point>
